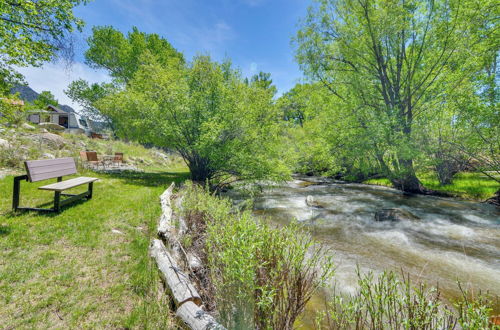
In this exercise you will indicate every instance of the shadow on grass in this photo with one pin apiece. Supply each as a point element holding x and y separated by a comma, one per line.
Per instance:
<point>4,230</point>
<point>149,179</point>
<point>47,206</point>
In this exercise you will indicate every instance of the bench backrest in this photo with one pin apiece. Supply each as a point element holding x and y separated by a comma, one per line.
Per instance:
<point>39,170</point>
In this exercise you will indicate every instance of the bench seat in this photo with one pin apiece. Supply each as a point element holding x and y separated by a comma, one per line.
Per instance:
<point>68,184</point>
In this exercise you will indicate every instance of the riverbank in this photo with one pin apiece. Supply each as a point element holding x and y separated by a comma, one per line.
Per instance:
<point>466,185</point>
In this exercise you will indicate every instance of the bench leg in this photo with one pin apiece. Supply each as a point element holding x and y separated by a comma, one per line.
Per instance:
<point>17,191</point>
<point>91,188</point>
<point>57,201</point>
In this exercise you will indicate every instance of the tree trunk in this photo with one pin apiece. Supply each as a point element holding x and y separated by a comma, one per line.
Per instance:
<point>200,170</point>
<point>407,180</point>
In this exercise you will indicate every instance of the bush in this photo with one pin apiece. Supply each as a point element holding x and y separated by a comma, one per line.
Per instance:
<point>10,113</point>
<point>261,277</point>
<point>393,303</point>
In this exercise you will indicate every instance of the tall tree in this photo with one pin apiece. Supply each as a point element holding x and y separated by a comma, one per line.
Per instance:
<point>44,99</point>
<point>223,128</point>
<point>34,31</point>
<point>388,62</point>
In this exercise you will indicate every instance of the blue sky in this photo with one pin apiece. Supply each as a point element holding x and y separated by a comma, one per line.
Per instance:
<point>254,34</point>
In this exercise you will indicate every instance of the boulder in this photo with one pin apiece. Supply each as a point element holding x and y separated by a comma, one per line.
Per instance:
<point>53,139</point>
<point>51,126</point>
<point>27,126</point>
<point>4,143</point>
<point>394,215</point>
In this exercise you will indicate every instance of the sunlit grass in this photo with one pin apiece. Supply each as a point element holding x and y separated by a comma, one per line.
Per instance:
<point>87,267</point>
<point>470,185</point>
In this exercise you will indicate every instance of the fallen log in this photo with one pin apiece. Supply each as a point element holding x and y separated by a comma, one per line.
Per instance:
<point>166,223</point>
<point>196,318</point>
<point>177,282</point>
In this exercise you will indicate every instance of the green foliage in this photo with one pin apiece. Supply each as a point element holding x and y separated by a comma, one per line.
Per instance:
<point>263,80</point>
<point>222,127</point>
<point>44,99</point>
<point>262,276</point>
<point>389,302</point>
<point>393,69</point>
<point>87,95</point>
<point>10,112</point>
<point>120,55</point>
<point>32,32</point>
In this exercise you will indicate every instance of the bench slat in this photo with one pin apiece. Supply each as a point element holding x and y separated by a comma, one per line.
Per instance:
<point>39,170</point>
<point>71,183</point>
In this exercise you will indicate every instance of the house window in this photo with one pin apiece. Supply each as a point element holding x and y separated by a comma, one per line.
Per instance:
<point>83,123</point>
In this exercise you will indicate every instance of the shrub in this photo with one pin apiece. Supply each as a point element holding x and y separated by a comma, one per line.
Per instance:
<point>389,302</point>
<point>261,277</point>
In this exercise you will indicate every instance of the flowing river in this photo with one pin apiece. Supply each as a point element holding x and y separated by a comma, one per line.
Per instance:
<point>452,240</point>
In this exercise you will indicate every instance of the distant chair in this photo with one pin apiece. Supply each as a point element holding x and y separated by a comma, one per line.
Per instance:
<point>93,159</point>
<point>84,160</point>
<point>118,159</point>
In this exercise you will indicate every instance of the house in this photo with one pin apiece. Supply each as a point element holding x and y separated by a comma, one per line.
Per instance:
<point>71,121</point>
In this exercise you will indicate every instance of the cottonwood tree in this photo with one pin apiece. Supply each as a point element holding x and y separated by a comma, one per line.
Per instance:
<point>224,129</point>
<point>33,32</point>
<point>119,54</point>
<point>388,62</point>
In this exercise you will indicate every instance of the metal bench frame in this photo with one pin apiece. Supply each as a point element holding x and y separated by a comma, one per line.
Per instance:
<point>58,203</point>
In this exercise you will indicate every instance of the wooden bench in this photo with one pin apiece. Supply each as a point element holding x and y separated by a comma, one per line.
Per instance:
<point>38,170</point>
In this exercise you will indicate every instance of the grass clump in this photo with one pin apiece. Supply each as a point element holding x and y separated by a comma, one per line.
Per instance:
<point>390,302</point>
<point>469,185</point>
<point>261,277</point>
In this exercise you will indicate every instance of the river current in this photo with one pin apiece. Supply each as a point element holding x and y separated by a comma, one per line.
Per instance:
<point>452,240</point>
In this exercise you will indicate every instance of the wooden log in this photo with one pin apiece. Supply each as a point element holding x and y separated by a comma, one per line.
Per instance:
<point>166,223</point>
<point>177,282</point>
<point>194,262</point>
<point>196,318</point>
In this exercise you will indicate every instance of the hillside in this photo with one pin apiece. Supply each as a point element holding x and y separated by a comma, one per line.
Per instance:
<point>20,144</point>
<point>27,94</point>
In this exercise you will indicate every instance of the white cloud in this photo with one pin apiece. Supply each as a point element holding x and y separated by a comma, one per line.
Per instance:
<point>55,77</point>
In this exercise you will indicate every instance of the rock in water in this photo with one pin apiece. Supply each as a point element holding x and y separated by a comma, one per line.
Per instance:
<point>394,215</point>
<point>312,203</point>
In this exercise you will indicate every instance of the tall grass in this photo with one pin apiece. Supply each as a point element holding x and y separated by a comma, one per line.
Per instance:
<point>261,277</point>
<point>391,302</point>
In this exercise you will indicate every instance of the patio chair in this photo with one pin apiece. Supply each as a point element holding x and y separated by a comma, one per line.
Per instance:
<point>93,159</point>
<point>83,159</point>
<point>118,159</point>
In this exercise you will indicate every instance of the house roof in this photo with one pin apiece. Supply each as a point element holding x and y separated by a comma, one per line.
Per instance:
<point>55,109</point>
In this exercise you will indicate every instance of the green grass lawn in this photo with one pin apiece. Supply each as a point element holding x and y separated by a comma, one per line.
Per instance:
<point>87,267</point>
<point>469,185</point>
